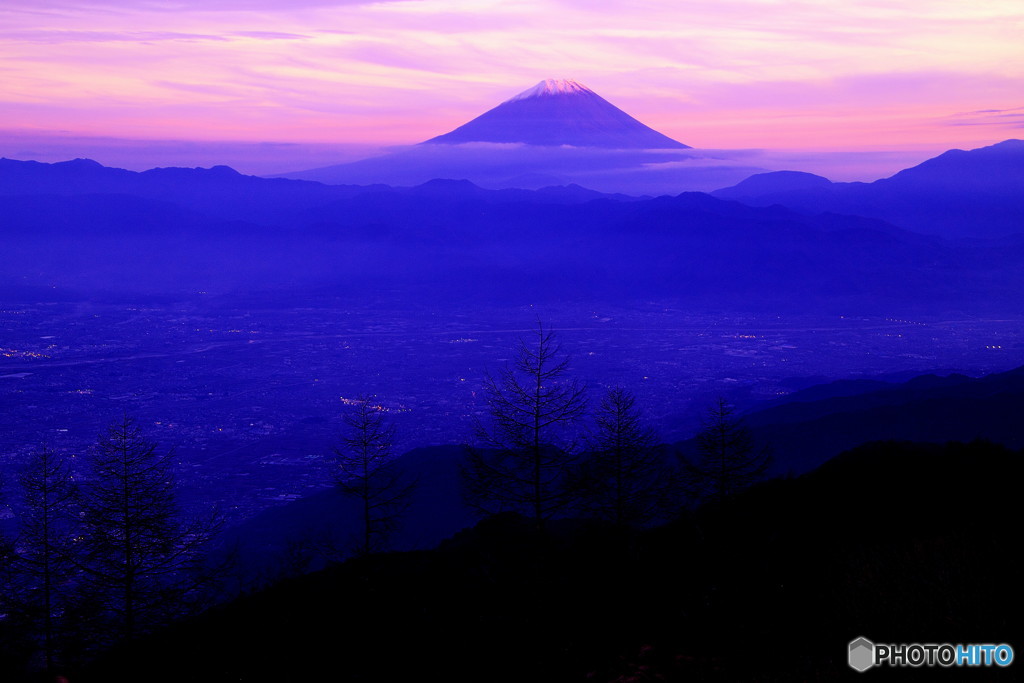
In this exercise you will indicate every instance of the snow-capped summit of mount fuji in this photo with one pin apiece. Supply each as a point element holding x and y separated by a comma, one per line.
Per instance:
<point>553,86</point>
<point>559,112</point>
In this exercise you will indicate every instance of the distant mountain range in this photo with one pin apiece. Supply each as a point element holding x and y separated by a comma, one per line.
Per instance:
<point>976,193</point>
<point>223,193</point>
<point>71,224</point>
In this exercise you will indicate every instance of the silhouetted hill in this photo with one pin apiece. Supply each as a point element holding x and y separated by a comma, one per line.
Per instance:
<point>996,170</point>
<point>762,184</point>
<point>816,424</point>
<point>897,542</point>
<point>970,194</point>
<point>219,192</point>
<point>303,535</point>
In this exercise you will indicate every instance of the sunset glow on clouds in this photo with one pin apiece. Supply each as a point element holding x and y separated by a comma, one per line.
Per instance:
<point>729,73</point>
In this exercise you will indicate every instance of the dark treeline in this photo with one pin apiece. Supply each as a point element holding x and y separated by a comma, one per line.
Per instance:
<point>602,555</point>
<point>102,554</point>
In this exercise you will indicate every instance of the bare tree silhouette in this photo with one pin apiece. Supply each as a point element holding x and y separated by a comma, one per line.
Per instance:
<point>368,472</point>
<point>525,455</point>
<point>625,478</point>
<point>727,459</point>
<point>143,560</point>
<point>44,561</point>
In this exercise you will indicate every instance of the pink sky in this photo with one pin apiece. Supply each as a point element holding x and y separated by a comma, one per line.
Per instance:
<point>887,76</point>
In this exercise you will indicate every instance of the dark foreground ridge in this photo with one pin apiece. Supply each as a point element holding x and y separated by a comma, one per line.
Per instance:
<point>895,541</point>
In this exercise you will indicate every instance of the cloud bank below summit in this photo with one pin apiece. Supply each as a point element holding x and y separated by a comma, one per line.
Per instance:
<point>498,165</point>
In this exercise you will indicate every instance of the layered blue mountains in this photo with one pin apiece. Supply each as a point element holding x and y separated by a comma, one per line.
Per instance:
<point>946,233</point>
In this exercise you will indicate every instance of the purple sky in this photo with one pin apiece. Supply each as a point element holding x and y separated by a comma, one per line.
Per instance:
<point>328,80</point>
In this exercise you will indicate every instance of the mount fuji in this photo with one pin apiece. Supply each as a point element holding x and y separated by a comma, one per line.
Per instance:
<point>560,112</point>
<point>559,132</point>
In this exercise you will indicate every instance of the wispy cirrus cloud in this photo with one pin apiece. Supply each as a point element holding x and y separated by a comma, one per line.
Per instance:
<point>270,35</point>
<point>1012,118</point>
<point>178,6</point>
<point>74,36</point>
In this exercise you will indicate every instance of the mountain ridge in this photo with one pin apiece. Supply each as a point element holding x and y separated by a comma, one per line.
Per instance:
<point>204,229</point>
<point>977,193</point>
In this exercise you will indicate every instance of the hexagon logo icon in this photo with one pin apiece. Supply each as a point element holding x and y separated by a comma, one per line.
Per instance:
<point>862,654</point>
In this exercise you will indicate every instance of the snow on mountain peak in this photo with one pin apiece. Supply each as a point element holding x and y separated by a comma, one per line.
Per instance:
<point>553,86</point>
